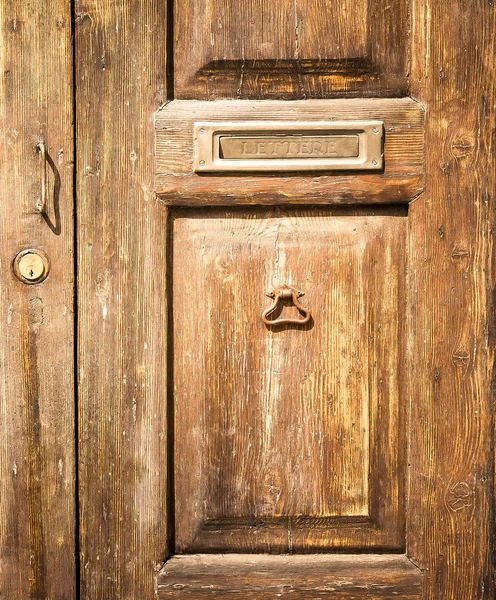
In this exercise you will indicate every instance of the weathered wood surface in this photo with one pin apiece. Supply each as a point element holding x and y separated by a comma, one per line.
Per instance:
<point>449,351</point>
<point>37,444</point>
<point>256,577</point>
<point>290,49</point>
<point>288,438</point>
<point>400,182</point>
<point>450,526</point>
<point>122,299</point>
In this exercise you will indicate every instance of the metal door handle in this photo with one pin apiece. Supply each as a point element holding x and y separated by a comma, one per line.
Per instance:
<point>285,293</point>
<point>43,159</point>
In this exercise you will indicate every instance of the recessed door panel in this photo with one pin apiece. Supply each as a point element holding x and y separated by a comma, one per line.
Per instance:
<point>289,431</point>
<point>290,48</point>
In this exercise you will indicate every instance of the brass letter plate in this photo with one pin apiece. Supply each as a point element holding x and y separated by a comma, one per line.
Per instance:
<point>288,146</point>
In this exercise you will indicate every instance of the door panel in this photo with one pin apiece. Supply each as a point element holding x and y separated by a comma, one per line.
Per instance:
<point>290,49</point>
<point>289,437</point>
<point>209,440</point>
<point>37,399</point>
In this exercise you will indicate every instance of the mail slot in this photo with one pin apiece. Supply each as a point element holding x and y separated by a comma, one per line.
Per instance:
<point>290,146</point>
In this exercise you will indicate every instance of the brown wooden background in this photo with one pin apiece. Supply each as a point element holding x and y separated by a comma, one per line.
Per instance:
<point>120,73</point>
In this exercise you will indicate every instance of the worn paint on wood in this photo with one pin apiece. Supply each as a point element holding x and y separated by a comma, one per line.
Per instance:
<point>122,299</point>
<point>37,440</point>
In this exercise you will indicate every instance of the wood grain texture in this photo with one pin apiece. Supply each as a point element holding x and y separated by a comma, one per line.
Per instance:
<point>37,445</point>
<point>347,577</point>
<point>290,49</point>
<point>400,182</point>
<point>450,511</point>
<point>122,299</point>
<point>288,438</point>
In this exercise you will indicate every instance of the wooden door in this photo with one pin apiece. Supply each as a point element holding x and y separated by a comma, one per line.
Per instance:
<point>38,526</point>
<point>285,343</point>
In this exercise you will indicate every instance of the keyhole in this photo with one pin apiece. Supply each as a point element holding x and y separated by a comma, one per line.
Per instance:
<point>31,265</point>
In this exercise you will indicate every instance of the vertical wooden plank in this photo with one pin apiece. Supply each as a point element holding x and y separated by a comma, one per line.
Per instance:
<point>37,450</point>
<point>450,509</point>
<point>122,298</point>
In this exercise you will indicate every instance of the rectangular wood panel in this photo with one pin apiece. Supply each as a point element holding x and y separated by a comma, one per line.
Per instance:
<point>37,421</point>
<point>290,48</point>
<point>400,181</point>
<point>290,437</point>
<point>326,577</point>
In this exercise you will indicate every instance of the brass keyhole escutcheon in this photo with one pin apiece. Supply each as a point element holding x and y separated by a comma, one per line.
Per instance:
<point>31,266</point>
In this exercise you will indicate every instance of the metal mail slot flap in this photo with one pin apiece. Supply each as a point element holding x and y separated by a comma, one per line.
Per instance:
<point>261,146</point>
